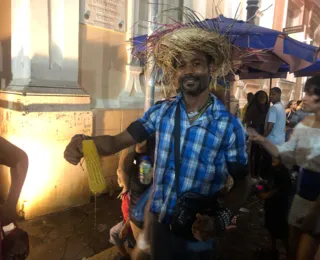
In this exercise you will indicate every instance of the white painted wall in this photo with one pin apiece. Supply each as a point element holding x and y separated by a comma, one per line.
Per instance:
<point>42,53</point>
<point>234,9</point>
<point>266,20</point>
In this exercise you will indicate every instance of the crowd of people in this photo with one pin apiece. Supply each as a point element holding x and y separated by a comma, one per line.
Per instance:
<point>204,160</point>
<point>302,151</point>
<point>200,156</point>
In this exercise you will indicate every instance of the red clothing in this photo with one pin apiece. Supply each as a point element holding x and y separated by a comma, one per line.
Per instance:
<point>125,206</point>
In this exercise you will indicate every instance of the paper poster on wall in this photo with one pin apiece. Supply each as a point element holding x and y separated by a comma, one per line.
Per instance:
<point>108,14</point>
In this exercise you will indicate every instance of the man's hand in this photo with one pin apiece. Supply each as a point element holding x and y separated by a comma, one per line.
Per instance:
<point>73,152</point>
<point>203,228</point>
<point>124,232</point>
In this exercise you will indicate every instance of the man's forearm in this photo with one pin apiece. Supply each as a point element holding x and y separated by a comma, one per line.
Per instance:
<point>238,194</point>
<point>269,129</point>
<point>267,132</point>
<point>108,145</point>
<point>105,145</point>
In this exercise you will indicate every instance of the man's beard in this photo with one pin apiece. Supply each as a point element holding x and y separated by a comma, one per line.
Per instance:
<point>193,85</point>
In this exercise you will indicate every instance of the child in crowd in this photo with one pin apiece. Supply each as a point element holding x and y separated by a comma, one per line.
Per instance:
<point>121,232</point>
<point>276,206</point>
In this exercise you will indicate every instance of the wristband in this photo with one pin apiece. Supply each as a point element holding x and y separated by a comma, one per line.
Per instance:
<point>223,219</point>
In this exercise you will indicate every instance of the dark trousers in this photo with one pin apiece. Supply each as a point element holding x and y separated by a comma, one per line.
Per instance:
<point>166,246</point>
<point>265,164</point>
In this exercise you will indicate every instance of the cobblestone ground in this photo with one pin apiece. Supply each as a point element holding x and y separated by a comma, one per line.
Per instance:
<point>69,235</point>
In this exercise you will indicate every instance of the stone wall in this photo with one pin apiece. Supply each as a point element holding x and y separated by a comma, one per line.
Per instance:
<point>43,131</point>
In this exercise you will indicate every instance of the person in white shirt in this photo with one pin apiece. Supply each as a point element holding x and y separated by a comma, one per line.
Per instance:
<point>276,202</point>
<point>274,129</point>
<point>276,119</point>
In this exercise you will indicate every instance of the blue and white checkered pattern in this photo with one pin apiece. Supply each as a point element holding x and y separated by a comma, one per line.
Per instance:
<point>207,146</point>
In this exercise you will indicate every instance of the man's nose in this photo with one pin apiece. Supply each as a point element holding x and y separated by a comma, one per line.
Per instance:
<point>189,70</point>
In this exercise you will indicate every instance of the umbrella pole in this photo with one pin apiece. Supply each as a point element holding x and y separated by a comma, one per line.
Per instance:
<point>270,86</point>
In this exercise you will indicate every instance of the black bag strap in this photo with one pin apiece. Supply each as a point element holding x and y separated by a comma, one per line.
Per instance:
<point>176,135</point>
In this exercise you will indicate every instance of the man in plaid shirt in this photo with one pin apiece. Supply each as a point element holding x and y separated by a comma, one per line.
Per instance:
<point>212,148</point>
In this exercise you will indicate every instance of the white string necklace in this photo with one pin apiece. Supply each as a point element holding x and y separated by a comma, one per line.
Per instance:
<point>193,114</point>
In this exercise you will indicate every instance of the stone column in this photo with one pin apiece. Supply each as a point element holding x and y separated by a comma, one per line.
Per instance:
<point>43,106</point>
<point>298,89</point>
<point>132,95</point>
<point>280,14</point>
<point>241,93</point>
<point>44,44</point>
<point>252,8</point>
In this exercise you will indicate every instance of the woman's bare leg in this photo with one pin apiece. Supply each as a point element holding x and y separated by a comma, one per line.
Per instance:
<point>294,239</point>
<point>308,247</point>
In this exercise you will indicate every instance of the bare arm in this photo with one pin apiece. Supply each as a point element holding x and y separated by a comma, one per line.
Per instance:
<point>237,165</point>
<point>126,159</point>
<point>17,160</point>
<point>268,129</point>
<point>106,145</point>
<point>271,148</point>
<point>238,194</point>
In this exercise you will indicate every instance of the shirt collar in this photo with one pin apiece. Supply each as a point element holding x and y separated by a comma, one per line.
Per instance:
<point>214,113</point>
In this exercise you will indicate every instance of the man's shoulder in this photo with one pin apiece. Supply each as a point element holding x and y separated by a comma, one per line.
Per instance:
<point>279,106</point>
<point>162,105</point>
<point>166,101</point>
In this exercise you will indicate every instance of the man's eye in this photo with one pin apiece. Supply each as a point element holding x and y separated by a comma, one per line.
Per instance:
<point>196,64</point>
<point>181,65</point>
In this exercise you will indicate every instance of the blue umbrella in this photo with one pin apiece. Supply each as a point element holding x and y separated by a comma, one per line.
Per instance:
<point>309,71</point>
<point>296,54</point>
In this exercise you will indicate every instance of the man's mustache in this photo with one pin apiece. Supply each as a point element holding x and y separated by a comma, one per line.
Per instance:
<point>188,77</point>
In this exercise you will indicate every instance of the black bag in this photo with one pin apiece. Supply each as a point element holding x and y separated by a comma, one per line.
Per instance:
<point>189,203</point>
<point>15,245</point>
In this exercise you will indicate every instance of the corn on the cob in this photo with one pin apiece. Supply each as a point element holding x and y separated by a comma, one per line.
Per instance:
<point>96,180</point>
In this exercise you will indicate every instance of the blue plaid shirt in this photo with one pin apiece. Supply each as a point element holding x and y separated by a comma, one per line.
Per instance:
<point>207,146</point>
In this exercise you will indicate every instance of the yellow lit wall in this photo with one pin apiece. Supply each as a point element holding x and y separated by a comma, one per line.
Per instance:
<point>52,184</point>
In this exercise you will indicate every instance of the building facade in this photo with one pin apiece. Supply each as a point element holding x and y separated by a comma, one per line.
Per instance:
<point>302,18</point>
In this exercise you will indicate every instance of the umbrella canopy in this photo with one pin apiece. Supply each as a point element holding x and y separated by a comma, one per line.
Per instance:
<point>312,70</point>
<point>252,73</point>
<point>279,48</point>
